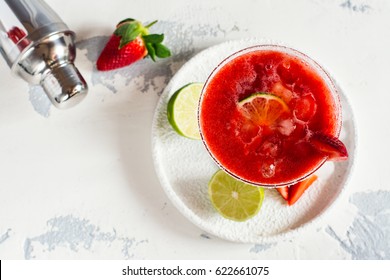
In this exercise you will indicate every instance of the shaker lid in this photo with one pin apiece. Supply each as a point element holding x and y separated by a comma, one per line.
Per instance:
<point>65,86</point>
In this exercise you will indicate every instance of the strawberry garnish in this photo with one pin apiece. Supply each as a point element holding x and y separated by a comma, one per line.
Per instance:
<point>292,193</point>
<point>283,192</point>
<point>330,146</point>
<point>129,43</point>
<point>295,191</point>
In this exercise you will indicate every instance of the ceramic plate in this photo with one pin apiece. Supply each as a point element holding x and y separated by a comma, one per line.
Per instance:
<point>184,168</point>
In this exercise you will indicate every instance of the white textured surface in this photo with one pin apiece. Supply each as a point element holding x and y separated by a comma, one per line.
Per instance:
<point>81,183</point>
<point>184,167</point>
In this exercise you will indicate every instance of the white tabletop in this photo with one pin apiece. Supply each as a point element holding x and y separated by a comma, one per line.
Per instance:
<point>81,184</point>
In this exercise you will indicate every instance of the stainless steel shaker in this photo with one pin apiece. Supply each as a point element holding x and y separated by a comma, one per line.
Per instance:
<point>39,47</point>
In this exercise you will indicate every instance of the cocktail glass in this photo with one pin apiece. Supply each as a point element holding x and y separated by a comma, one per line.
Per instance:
<point>219,81</point>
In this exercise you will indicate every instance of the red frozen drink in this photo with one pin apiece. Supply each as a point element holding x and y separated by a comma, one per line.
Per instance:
<point>268,114</point>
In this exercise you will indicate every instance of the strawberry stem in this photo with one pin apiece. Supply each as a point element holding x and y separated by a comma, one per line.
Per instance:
<point>150,24</point>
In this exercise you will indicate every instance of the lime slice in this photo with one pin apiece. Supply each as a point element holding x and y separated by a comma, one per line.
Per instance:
<point>233,199</point>
<point>183,110</point>
<point>263,108</point>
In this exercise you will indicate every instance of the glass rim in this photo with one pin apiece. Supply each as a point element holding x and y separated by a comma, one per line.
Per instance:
<point>303,57</point>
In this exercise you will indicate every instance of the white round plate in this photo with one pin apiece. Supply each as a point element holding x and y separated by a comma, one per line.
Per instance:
<point>184,168</point>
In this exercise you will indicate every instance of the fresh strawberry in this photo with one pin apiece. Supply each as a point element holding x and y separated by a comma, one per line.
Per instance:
<point>129,43</point>
<point>283,192</point>
<point>295,191</point>
<point>330,146</point>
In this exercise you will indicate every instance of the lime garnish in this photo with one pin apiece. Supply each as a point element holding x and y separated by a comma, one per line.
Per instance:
<point>183,110</point>
<point>263,108</point>
<point>234,199</point>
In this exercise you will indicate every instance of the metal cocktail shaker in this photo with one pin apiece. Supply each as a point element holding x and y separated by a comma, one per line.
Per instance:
<point>39,47</point>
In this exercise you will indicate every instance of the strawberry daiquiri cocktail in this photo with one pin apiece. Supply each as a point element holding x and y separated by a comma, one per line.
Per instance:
<point>270,116</point>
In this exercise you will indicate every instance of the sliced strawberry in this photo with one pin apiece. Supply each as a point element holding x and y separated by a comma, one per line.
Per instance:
<point>330,146</point>
<point>283,192</point>
<point>131,42</point>
<point>295,191</point>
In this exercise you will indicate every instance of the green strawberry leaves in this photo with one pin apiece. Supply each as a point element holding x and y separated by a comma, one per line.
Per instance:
<point>129,29</point>
<point>162,51</point>
<point>151,51</point>
<point>155,47</point>
<point>153,38</point>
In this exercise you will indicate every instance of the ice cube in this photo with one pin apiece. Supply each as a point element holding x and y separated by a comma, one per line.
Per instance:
<point>268,168</point>
<point>305,107</point>
<point>281,91</point>
<point>270,147</point>
<point>286,127</point>
<point>246,130</point>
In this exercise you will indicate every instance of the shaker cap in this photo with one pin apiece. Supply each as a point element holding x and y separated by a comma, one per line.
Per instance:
<point>64,86</point>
